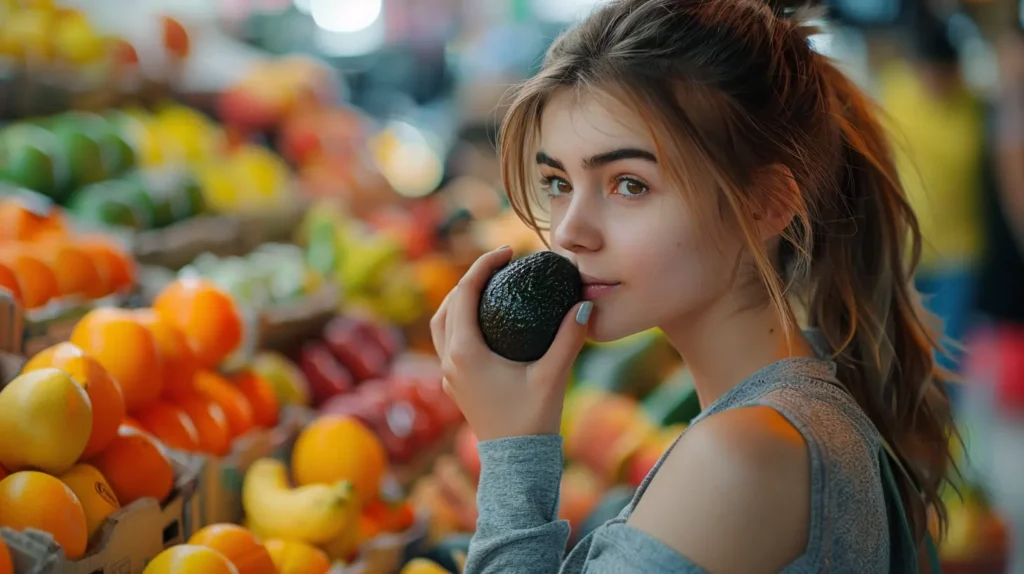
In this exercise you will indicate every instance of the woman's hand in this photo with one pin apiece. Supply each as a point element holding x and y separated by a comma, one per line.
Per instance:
<point>502,398</point>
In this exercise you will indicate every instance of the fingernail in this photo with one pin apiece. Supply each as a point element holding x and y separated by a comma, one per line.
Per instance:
<point>583,315</point>
<point>503,248</point>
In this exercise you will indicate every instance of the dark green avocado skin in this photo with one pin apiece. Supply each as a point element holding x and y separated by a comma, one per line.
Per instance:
<point>524,302</point>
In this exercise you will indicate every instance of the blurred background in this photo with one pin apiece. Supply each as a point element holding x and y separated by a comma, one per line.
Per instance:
<point>278,146</point>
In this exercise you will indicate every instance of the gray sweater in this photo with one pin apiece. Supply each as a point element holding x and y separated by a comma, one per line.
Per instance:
<point>518,531</point>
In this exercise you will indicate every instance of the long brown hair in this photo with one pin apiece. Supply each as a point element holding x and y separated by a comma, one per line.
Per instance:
<point>732,90</point>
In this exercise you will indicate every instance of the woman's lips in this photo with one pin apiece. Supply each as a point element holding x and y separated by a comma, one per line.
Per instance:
<point>593,291</point>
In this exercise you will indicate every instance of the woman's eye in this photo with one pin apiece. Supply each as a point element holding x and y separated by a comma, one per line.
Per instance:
<point>556,185</point>
<point>630,188</point>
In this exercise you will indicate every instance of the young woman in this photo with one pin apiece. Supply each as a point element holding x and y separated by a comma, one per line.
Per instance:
<point>713,176</point>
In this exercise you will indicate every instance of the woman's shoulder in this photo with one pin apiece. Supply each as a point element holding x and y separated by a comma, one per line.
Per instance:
<point>746,471</point>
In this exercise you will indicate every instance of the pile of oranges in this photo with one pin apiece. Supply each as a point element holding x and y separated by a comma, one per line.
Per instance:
<point>86,427</point>
<point>232,549</point>
<point>42,261</point>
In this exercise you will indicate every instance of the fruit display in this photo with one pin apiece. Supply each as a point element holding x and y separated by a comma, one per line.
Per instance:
<point>48,266</point>
<point>326,500</point>
<point>272,274</point>
<point>42,33</point>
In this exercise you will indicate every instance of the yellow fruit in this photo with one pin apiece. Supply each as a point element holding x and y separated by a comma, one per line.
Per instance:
<point>25,33</point>
<point>94,493</point>
<point>31,499</point>
<point>45,422</point>
<point>75,40</point>
<point>314,514</point>
<point>190,559</point>
<point>291,557</point>
<point>423,566</point>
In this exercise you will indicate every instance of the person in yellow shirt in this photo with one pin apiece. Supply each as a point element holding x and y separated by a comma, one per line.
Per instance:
<point>938,134</point>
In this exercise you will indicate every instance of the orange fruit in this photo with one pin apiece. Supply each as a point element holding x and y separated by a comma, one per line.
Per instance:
<point>317,457</point>
<point>75,271</point>
<point>119,264</point>
<point>36,280</point>
<point>135,465</point>
<point>210,421</point>
<point>189,559</point>
<point>126,349</point>
<point>261,396</point>
<point>6,564</point>
<point>104,392</point>
<point>19,223</point>
<point>31,499</point>
<point>178,361</point>
<point>170,424</point>
<point>238,545</point>
<point>292,557</point>
<point>207,316</point>
<point>130,422</point>
<point>93,492</point>
<point>9,281</point>
<point>236,407</point>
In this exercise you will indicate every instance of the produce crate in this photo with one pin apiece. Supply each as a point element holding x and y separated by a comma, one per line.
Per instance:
<point>222,477</point>
<point>180,515</point>
<point>44,330</point>
<point>177,245</point>
<point>387,553</point>
<point>129,539</point>
<point>284,326</point>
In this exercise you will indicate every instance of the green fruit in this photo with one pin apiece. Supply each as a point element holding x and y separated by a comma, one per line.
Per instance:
<point>169,190</point>
<point>633,366</point>
<point>524,303</point>
<point>112,203</point>
<point>28,158</point>
<point>84,139</point>
<point>125,133</point>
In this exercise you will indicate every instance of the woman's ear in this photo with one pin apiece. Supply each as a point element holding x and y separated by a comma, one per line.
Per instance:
<point>778,199</point>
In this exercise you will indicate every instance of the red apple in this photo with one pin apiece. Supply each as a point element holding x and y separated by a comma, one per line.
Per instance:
<point>465,450</point>
<point>327,377</point>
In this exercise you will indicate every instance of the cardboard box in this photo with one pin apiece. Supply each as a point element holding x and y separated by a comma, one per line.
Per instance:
<point>127,541</point>
<point>222,478</point>
<point>181,515</point>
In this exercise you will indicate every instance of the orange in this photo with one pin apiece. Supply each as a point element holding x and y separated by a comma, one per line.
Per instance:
<point>31,499</point>
<point>127,349</point>
<point>189,559</point>
<point>170,424</point>
<point>135,465</point>
<point>22,224</point>
<point>130,422</point>
<point>238,545</point>
<point>205,314</point>
<point>104,392</point>
<point>9,281</point>
<point>119,264</point>
<point>75,271</point>
<point>236,407</point>
<point>178,361</point>
<point>292,557</point>
<point>436,276</point>
<point>261,396</point>
<point>6,564</point>
<point>211,423</point>
<point>35,278</point>
<point>319,457</point>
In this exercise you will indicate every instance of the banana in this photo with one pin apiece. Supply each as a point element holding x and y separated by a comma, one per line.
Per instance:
<point>315,513</point>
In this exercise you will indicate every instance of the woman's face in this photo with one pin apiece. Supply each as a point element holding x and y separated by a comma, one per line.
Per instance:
<point>644,259</point>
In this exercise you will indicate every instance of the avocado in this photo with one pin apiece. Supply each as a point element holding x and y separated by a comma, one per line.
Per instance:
<point>27,159</point>
<point>524,302</point>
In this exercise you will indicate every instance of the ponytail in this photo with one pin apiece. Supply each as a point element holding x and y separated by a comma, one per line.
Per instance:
<point>863,301</point>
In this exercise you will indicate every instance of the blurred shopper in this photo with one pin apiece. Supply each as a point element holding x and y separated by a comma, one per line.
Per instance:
<point>939,131</point>
<point>707,171</point>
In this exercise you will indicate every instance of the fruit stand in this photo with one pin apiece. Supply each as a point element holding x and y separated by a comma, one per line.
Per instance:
<point>214,338</point>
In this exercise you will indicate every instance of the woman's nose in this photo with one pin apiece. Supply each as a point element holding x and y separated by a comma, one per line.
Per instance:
<point>577,229</point>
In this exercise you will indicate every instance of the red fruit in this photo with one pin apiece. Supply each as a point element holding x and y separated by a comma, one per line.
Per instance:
<point>352,347</point>
<point>327,377</point>
<point>175,37</point>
